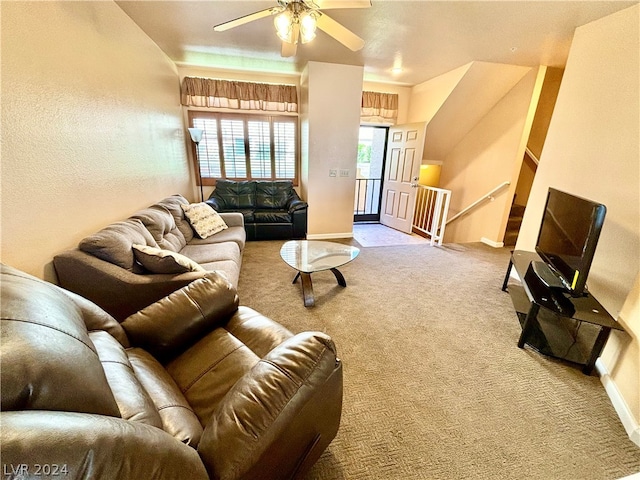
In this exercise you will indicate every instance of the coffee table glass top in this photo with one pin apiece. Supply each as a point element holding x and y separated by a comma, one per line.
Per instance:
<point>310,256</point>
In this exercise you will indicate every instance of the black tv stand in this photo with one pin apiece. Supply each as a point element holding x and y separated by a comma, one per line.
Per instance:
<point>574,329</point>
<point>546,274</point>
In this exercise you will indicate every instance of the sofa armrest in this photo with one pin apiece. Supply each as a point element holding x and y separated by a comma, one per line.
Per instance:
<point>295,203</point>
<point>233,219</point>
<point>169,326</point>
<point>115,289</point>
<point>279,417</point>
<point>213,203</point>
<point>299,218</point>
<point>75,445</point>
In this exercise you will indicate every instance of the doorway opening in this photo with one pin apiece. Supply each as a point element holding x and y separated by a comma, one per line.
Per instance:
<point>372,150</point>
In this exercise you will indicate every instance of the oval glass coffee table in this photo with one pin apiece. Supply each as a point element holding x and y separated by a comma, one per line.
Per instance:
<point>309,256</point>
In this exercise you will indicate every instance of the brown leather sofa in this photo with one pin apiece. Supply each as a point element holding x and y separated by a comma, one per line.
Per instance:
<point>190,387</point>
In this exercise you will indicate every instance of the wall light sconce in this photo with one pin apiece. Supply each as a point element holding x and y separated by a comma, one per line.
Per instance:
<point>196,137</point>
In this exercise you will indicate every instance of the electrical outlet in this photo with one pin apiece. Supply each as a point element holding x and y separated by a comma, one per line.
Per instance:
<point>333,172</point>
<point>344,172</point>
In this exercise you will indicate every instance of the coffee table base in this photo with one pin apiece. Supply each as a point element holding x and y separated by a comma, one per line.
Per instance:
<point>307,285</point>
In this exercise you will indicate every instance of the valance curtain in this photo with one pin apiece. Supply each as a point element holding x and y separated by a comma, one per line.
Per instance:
<point>210,92</point>
<point>379,107</point>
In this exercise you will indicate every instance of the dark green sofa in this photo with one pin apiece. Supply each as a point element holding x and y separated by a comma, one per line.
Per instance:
<point>272,209</point>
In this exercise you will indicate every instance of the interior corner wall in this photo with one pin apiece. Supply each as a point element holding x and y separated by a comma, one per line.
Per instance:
<point>91,126</point>
<point>304,132</point>
<point>427,97</point>
<point>330,123</point>
<point>592,150</point>
<point>490,154</point>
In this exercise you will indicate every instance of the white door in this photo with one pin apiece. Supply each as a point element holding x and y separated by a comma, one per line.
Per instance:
<point>402,171</point>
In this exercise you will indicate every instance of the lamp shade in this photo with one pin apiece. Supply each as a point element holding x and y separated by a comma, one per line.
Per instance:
<point>284,24</point>
<point>196,134</point>
<point>307,26</point>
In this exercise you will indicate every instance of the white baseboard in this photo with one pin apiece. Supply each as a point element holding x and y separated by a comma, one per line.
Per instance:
<point>491,243</point>
<point>629,423</point>
<point>328,236</point>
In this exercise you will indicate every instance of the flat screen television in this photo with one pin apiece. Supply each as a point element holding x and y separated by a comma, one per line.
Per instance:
<point>568,238</point>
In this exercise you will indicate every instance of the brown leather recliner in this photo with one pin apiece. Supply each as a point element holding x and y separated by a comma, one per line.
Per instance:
<point>191,387</point>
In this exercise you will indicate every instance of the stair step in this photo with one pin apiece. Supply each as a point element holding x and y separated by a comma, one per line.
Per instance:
<point>514,223</point>
<point>517,210</point>
<point>510,239</point>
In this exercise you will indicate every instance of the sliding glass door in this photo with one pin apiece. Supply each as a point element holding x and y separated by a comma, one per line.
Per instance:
<point>372,149</point>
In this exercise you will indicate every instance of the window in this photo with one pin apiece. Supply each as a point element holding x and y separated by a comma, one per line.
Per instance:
<point>246,147</point>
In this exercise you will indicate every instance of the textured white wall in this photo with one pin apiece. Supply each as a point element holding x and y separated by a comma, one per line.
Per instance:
<point>593,150</point>
<point>330,122</point>
<point>91,126</point>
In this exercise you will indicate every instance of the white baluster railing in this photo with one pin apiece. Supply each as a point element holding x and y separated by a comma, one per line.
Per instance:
<point>430,215</point>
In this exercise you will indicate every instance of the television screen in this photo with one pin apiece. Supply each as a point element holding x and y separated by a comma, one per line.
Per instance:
<point>568,237</point>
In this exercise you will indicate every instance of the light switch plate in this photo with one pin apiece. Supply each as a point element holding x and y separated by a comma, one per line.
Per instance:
<point>333,172</point>
<point>344,172</point>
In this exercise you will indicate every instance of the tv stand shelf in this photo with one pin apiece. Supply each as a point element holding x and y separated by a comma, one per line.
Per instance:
<point>577,334</point>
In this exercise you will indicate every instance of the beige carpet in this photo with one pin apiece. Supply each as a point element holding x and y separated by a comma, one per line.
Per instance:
<point>434,384</point>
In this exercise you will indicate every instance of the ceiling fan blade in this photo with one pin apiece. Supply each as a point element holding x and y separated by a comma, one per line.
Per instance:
<point>289,49</point>
<point>246,19</point>
<point>329,4</point>
<point>339,32</point>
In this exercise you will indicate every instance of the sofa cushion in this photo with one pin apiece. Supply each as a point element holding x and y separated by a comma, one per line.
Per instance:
<point>162,226</point>
<point>271,216</point>
<point>157,260</point>
<point>133,400</point>
<point>113,243</point>
<point>210,367</point>
<point>204,254</point>
<point>173,205</point>
<point>247,214</point>
<point>178,418</point>
<point>273,194</point>
<point>228,269</point>
<point>204,219</point>
<point>235,195</point>
<point>40,322</point>
<point>236,235</point>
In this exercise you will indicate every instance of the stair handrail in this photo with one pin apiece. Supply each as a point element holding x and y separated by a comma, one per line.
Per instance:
<point>487,196</point>
<point>532,156</point>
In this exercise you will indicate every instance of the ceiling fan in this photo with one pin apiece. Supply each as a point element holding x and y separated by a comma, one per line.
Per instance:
<point>296,21</point>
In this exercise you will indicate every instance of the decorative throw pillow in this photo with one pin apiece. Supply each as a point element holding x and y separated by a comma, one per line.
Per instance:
<point>157,260</point>
<point>204,219</point>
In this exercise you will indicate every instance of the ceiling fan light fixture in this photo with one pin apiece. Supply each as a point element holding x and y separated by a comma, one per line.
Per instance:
<point>296,21</point>
<point>284,26</point>
<point>308,26</point>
